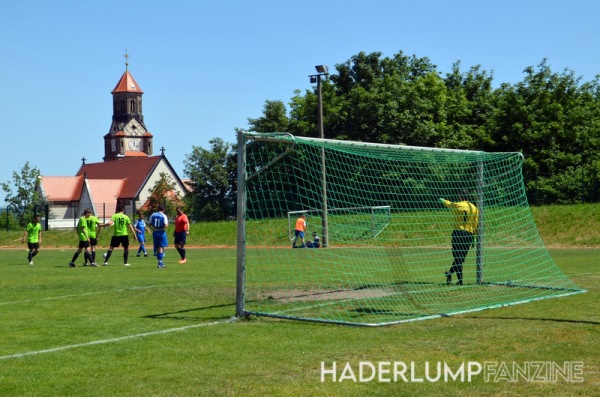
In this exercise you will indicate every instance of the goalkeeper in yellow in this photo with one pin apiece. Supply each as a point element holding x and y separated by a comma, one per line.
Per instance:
<point>466,218</point>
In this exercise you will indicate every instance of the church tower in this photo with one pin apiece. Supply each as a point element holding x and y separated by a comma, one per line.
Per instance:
<point>128,136</point>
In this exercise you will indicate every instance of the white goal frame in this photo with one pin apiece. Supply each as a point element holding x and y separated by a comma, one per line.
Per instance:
<point>375,231</point>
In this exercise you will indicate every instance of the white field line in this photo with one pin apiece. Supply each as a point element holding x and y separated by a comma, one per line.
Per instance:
<point>92,293</point>
<point>113,340</point>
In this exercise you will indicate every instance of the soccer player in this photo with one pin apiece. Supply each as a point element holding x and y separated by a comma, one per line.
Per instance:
<point>120,235</point>
<point>33,234</point>
<point>182,229</point>
<point>140,230</point>
<point>466,216</point>
<point>316,243</point>
<point>93,231</point>
<point>299,231</point>
<point>84,240</point>
<point>159,223</point>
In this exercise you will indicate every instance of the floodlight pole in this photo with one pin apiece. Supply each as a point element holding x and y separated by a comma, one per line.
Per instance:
<point>322,70</point>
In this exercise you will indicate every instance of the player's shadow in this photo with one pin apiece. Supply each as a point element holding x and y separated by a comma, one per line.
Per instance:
<point>181,314</point>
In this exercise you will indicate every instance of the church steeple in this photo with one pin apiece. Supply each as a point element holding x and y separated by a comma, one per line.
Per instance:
<point>128,135</point>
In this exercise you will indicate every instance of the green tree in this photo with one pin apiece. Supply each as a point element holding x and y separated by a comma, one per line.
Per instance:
<point>212,174</point>
<point>8,220</point>
<point>388,100</point>
<point>21,193</point>
<point>274,118</point>
<point>553,120</point>
<point>469,106</point>
<point>163,193</point>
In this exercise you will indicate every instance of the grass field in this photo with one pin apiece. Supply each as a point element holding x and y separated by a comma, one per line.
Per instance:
<point>141,331</point>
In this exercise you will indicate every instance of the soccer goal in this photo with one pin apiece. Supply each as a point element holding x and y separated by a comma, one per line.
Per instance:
<point>386,236</point>
<point>353,222</point>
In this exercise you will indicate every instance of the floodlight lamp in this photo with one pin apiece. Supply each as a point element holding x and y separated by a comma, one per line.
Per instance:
<point>322,69</point>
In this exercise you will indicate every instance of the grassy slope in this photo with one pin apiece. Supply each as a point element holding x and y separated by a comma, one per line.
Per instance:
<point>569,225</point>
<point>559,226</point>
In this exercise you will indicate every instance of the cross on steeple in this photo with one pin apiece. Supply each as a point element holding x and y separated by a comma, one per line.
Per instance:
<point>162,151</point>
<point>126,59</point>
<point>83,160</point>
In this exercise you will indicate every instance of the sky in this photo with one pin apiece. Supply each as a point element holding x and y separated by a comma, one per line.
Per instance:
<point>207,66</point>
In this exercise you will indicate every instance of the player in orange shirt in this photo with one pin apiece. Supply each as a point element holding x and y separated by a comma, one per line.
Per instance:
<point>299,231</point>
<point>182,229</point>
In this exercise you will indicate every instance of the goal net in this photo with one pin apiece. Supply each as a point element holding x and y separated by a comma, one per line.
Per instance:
<point>354,222</point>
<point>386,238</point>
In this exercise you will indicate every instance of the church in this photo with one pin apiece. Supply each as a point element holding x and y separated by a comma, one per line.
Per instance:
<point>126,176</point>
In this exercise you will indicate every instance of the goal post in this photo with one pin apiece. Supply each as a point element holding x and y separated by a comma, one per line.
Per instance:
<point>388,236</point>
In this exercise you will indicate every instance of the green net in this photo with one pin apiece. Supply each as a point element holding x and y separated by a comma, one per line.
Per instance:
<point>385,240</point>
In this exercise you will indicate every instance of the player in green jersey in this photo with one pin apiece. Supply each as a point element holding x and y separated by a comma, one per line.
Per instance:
<point>93,228</point>
<point>33,234</point>
<point>121,222</point>
<point>84,240</point>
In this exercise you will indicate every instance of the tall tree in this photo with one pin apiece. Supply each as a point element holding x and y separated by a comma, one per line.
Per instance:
<point>469,107</point>
<point>163,193</point>
<point>274,118</point>
<point>212,173</point>
<point>552,119</point>
<point>21,193</point>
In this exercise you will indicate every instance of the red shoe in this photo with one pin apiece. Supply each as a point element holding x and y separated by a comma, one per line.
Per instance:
<point>183,261</point>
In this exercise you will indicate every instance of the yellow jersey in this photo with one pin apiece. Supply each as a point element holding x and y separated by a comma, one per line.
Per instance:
<point>466,215</point>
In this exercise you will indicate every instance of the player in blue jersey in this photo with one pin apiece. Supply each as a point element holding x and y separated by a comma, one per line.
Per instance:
<point>316,243</point>
<point>159,223</point>
<point>140,231</point>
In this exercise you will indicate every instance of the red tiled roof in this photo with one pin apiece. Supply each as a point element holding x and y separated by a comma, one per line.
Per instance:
<point>135,154</point>
<point>127,84</point>
<point>62,188</point>
<point>134,171</point>
<point>106,192</point>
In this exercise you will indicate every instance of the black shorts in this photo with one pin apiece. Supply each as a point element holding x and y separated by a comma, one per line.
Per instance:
<point>32,246</point>
<point>462,241</point>
<point>116,241</point>
<point>84,244</point>
<point>179,238</point>
<point>93,242</point>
